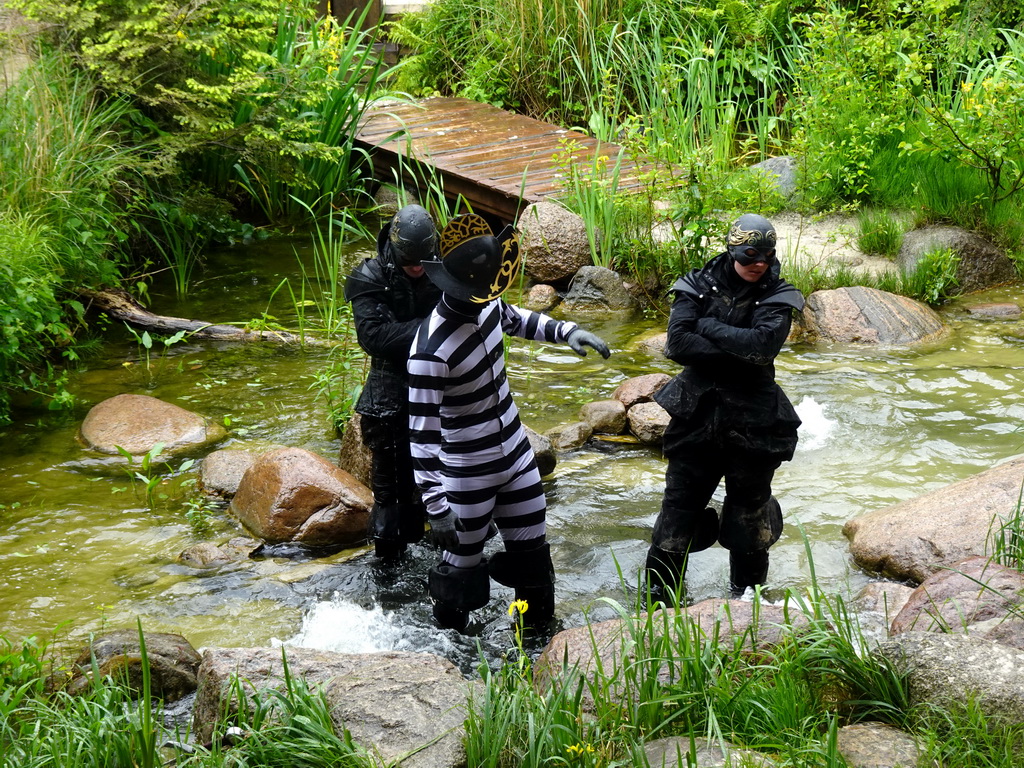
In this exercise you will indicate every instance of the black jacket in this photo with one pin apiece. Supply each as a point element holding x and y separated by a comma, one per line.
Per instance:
<point>726,333</point>
<point>388,306</point>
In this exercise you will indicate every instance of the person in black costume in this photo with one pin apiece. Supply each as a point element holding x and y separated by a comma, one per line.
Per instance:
<point>390,295</point>
<point>729,418</point>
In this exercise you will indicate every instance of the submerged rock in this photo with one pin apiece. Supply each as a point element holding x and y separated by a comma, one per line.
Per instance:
<point>136,423</point>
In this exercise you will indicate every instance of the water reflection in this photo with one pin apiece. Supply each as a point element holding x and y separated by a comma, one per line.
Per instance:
<point>78,542</point>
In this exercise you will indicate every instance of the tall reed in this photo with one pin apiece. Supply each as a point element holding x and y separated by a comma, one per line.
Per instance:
<point>322,79</point>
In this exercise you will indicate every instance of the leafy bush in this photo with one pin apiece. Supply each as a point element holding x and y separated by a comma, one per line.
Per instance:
<point>255,100</point>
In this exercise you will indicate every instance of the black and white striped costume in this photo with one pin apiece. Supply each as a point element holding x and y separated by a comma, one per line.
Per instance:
<point>470,452</point>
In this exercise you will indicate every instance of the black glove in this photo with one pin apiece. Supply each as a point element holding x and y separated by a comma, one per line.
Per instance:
<point>384,313</point>
<point>578,339</point>
<point>444,530</point>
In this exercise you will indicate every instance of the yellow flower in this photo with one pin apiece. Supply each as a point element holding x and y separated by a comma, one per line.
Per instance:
<point>181,35</point>
<point>520,606</point>
<point>580,749</point>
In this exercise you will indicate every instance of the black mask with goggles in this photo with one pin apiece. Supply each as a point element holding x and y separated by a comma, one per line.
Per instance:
<point>748,256</point>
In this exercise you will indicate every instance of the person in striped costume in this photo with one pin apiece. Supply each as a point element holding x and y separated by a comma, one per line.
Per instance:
<point>472,460</point>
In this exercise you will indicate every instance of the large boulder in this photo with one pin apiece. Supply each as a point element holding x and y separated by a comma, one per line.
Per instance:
<point>977,596</point>
<point>395,704</point>
<point>293,495</point>
<point>553,241</point>
<point>868,316</point>
<point>949,670</point>
<point>877,745</point>
<point>918,537</point>
<point>136,423</point>
<point>596,289</point>
<point>981,266</point>
<point>173,663</point>
<point>780,173</point>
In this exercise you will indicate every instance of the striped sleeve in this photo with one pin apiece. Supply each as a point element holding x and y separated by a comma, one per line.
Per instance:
<point>516,321</point>
<point>427,377</point>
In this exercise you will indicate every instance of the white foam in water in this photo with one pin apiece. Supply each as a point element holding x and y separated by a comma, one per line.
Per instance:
<point>816,426</point>
<point>345,627</point>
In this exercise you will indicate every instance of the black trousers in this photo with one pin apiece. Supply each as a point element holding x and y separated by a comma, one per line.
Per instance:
<point>391,476</point>
<point>750,519</point>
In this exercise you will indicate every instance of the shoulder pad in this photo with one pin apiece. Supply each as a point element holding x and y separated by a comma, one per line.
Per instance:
<point>366,278</point>
<point>687,284</point>
<point>784,293</point>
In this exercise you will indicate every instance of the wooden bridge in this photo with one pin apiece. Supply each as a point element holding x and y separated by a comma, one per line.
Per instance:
<point>498,161</point>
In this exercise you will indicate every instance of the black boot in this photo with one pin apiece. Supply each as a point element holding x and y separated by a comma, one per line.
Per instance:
<point>664,573</point>
<point>448,617</point>
<point>747,569</point>
<point>388,550</point>
<point>457,591</point>
<point>384,526</point>
<point>540,603</point>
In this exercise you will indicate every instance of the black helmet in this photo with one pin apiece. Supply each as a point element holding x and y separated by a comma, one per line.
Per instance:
<point>751,231</point>
<point>413,236</point>
<point>476,265</point>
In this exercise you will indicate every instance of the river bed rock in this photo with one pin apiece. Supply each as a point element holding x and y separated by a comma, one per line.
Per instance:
<point>861,315</point>
<point>976,596</point>
<point>137,423</point>
<point>918,537</point>
<point>292,495</point>
<point>173,663</point>
<point>596,290</point>
<point>392,703</point>
<point>946,670</point>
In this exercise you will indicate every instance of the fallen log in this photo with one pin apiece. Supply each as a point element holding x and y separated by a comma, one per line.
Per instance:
<point>120,305</point>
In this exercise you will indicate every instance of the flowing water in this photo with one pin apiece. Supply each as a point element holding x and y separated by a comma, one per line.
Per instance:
<point>82,548</point>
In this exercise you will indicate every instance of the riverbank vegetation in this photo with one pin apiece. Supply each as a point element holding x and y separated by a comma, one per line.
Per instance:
<point>911,107</point>
<point>141,133</point>
<point>786,700</point>
<point>144,132</point>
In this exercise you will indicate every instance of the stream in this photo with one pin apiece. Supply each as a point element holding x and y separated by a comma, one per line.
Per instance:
<point>82,549</point>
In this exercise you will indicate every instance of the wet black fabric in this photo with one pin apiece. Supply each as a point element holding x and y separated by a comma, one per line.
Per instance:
<point>726,333</point>
<point>750,519</point>
<point>388,307</point>
<point>729,418</point>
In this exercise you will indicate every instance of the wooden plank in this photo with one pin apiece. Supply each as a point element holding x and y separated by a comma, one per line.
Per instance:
<point>481,152</point>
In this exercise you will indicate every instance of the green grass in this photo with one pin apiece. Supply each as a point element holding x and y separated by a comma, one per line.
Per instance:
<point>785,699</point>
